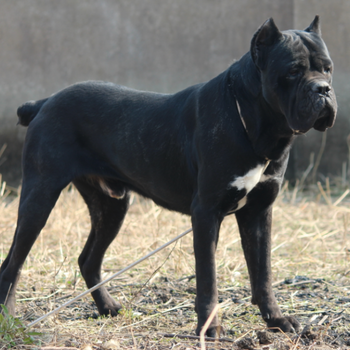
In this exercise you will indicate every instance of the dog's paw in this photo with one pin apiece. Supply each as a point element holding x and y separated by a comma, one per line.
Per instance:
<point>111,308</point>
<point>213,332</point>
<point>285,324</point>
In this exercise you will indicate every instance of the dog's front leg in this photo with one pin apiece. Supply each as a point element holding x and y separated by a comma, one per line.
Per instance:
<point>254,221</point>
<point>206,226</point>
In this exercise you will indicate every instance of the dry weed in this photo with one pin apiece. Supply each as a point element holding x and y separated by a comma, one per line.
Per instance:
<point>310,262</point>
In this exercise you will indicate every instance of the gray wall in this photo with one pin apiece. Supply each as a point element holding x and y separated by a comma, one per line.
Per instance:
<point>335,27</point>
<point>159,45</point>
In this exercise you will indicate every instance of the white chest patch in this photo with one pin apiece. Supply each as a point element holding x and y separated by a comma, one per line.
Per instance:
<point>267,177</point>
<point>241,203</point>
<point>250,179</point>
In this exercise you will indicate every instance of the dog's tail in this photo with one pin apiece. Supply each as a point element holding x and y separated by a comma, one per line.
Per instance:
<point>28,111</point>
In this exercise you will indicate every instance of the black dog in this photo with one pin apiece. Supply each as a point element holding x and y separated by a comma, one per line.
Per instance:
<point>208,151</point>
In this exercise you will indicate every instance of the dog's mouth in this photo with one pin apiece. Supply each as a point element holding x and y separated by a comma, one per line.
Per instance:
<point>325,120</point>
<point>315,111</point>
<point>323,124</point>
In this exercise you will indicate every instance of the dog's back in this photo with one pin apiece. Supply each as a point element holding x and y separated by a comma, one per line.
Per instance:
<point>92,128</point>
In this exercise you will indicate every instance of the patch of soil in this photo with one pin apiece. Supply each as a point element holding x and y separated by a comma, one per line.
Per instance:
<point>162,316</point>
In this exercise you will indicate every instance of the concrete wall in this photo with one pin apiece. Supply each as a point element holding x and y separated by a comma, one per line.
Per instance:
<point>159,45</point>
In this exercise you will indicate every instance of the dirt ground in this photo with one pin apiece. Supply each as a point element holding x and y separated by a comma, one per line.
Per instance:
<point>311,255</point>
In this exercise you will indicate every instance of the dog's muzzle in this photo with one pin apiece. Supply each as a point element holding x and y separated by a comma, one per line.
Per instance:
<point>325,120</point>
<point>317,108</point>
<point>324,103</point>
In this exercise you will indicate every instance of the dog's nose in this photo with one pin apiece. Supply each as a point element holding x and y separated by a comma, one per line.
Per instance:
<point>321,87</point>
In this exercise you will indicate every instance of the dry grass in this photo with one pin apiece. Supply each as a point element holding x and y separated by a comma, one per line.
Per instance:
<point>311,238</point>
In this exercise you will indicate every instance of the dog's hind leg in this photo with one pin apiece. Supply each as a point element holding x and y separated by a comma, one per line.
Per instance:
<point>107,215</point>
<point>38,197</point>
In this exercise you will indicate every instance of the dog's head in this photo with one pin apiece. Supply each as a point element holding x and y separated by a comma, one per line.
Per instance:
<point>296,75</point>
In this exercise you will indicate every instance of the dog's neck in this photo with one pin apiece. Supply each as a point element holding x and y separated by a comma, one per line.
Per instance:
<point>267,130</point>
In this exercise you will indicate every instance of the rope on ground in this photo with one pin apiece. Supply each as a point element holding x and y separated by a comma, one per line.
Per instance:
<point>53,312</point>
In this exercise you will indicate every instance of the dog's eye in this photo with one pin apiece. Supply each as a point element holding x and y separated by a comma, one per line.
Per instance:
<point>294,72</point>
<point>327,70</point>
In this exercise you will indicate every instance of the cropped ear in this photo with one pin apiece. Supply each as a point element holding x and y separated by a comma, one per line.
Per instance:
<point>267,35</point>
<point>315,26</point>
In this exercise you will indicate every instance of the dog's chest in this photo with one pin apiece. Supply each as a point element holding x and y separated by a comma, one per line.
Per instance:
<point>249,180</point>
<point>244,184</point>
